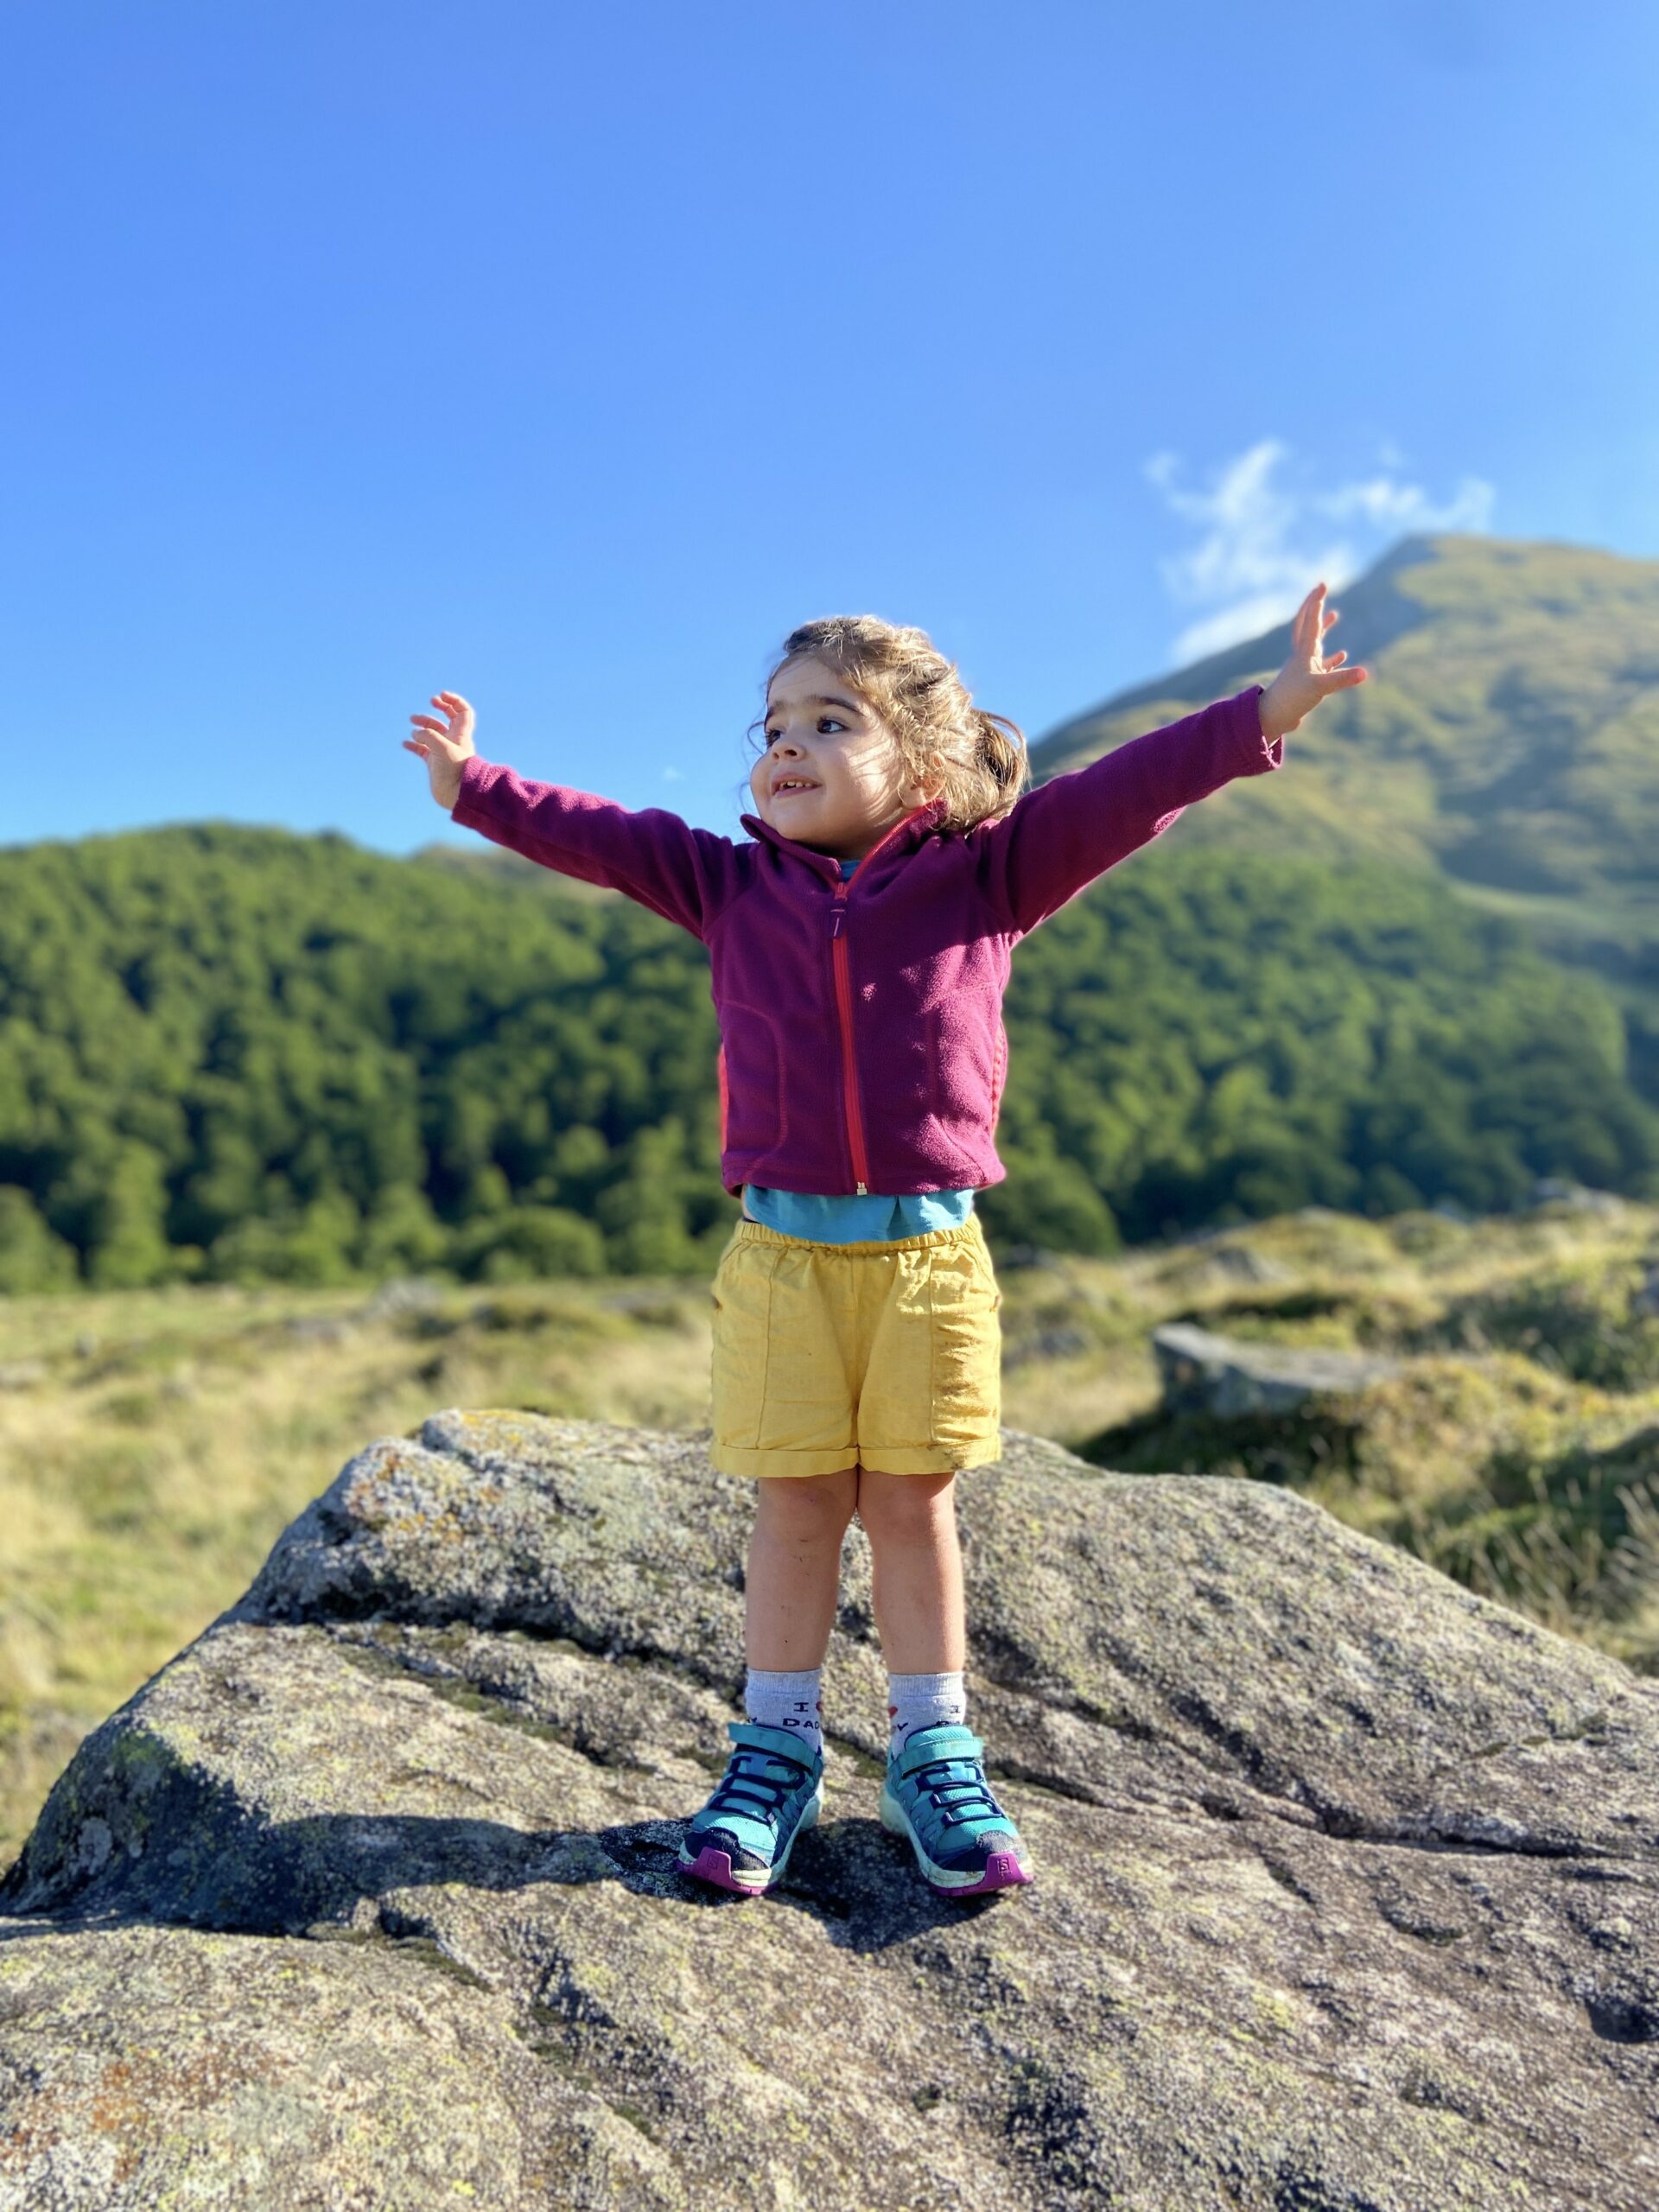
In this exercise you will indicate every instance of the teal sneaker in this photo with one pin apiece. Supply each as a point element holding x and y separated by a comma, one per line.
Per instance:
<point>936,1793</point>
<point>769,1794</point>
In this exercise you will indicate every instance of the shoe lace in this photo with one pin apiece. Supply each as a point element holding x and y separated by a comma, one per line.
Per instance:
<point>958,1796</point>
<point>744,1785</point>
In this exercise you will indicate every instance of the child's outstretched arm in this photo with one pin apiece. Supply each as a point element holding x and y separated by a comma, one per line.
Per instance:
<point>1060,836</point>
<point>684,874</point>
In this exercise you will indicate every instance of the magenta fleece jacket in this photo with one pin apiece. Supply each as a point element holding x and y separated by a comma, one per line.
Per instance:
<point>861,1045</point>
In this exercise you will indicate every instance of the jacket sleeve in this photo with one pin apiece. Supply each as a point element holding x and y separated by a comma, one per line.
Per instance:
<point>1060,836</point>
<point>684,874</point>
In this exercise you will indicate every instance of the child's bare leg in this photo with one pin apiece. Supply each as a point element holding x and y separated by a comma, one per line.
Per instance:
<point>916,1569</point>
<point>964,1841</point>
<point>794,1569</point>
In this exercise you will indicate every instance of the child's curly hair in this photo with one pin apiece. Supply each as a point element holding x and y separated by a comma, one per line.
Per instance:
<point>901,674</point>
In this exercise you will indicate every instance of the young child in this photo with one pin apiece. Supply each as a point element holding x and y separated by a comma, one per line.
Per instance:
<point>859,945</point>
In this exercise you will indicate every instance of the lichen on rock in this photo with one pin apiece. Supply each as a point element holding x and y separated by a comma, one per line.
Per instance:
<point>1347,1880</point>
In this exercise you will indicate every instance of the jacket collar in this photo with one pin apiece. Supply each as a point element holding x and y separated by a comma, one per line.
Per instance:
<point>910,831</point>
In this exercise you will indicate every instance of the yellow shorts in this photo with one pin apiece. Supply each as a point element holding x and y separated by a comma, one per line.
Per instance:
<point>887,1355</point>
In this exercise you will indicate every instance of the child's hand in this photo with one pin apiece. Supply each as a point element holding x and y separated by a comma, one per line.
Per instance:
<point>1306,677</point>
<point>445,747</point>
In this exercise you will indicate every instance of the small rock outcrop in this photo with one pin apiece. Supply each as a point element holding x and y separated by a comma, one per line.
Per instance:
<point>1201,1372</point>
<point>1347,1893</point>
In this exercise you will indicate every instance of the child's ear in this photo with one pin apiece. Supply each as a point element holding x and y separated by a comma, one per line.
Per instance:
<point>930,786</point>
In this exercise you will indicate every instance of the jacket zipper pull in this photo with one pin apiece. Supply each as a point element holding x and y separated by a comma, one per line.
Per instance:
<point>836,914</point>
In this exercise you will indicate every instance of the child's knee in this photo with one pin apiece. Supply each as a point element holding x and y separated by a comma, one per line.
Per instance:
<point>907,1507</point>
<point>806,1506</point>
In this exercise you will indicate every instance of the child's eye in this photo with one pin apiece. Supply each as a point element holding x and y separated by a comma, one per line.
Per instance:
<point>834,719</point>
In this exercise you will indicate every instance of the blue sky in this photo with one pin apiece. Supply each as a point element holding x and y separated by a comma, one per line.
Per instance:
<point>567,357</point>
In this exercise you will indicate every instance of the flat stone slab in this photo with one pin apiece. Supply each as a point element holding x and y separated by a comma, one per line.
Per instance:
<point>1205,1373</point>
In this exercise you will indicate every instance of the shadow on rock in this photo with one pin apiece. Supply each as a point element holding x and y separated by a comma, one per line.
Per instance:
<point>137,1830</point>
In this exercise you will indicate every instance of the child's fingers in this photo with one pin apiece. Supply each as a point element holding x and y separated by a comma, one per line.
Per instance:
<point>1306,629</point>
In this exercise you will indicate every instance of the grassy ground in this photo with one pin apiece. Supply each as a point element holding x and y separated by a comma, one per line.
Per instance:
<point>153,1444</point>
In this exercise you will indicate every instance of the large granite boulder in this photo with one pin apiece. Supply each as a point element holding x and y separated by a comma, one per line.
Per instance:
<point>1347,1885</point>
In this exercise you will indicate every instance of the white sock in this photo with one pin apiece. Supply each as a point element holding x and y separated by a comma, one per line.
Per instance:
<point>785,1700</point>
<point>922,1701</point>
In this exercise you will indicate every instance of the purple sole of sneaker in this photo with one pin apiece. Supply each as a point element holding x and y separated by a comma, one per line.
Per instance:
<point>1002,1871</point>
<point>716,1866</point>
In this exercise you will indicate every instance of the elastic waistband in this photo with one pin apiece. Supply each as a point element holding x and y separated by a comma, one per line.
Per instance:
<point>762,1232</point>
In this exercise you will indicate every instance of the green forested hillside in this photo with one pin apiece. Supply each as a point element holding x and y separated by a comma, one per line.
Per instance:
<point>236,1053</point>
<point>1222,1036</point>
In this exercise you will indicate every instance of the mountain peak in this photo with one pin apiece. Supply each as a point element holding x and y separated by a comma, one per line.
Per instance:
<point>1507,733</point>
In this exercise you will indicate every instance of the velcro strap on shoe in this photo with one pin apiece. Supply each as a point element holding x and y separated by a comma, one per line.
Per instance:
<point>944,1742</point>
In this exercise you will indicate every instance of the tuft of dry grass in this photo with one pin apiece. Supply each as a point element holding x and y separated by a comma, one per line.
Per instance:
<point>172,1435</point>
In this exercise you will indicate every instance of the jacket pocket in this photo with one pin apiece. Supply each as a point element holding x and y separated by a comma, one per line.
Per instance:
<point>751,1064</point>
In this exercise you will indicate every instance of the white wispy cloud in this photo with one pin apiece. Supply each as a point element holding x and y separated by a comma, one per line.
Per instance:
<point>673,775</point>
<point>1263,544</point>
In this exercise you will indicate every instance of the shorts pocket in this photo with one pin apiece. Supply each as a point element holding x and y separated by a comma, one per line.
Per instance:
<point>966,1335</point>
<point>721,1265</point>
<point>982,1252</point>
<point>934,1380</point>
<point>781,1380</point>
<point>742,1297</point>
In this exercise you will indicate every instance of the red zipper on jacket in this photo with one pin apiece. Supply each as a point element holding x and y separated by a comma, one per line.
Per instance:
<point>844,1006</point>
<point>848,1072</point>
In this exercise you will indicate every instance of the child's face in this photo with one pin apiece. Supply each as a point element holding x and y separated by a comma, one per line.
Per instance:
<point>819,730</point>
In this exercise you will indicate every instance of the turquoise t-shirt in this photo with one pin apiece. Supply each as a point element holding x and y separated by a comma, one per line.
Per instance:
<point>853,1220</point>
